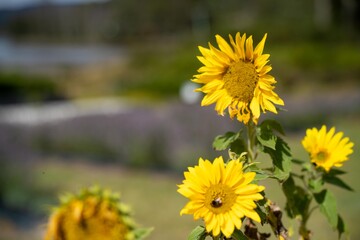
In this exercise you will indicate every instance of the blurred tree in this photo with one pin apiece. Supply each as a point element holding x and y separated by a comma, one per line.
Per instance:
<point>116,20</point>
<point>337,13</point>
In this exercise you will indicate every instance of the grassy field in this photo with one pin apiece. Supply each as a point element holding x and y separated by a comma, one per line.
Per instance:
<point>155,201</point>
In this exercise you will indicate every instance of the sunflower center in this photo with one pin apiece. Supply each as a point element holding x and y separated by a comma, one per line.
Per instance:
<point>240,80</point>
<point>217,202</point>
<point>219,198</point>
<point>321,156</point>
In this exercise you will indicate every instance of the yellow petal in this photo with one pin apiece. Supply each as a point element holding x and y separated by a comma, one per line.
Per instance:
<point>260,47</point>
<point>249,49</point>
<point>211,98</point>
<point>224,46</point>
<point>255,107</point>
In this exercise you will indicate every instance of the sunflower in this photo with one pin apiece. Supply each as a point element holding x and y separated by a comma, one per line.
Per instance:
<point>236,78</point>
<point>220,194</point>
<point>94,214</point>
<point>325,148</point>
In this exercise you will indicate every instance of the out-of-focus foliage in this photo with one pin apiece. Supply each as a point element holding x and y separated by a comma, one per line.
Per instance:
<point>16,88</point>
<point>118,20</point>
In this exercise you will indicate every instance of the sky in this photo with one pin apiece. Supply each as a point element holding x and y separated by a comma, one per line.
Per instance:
<point>15,4</point>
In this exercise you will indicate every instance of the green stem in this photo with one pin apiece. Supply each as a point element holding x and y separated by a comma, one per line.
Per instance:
<point>312,209</point>
<point>303,231</point>
<point>251,137</point>
<point>302,178</point>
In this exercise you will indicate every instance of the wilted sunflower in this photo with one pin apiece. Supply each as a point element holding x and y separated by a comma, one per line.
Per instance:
<point>236,78</point>
<point>220,194</point>
<point>94,214</point>
<point>325,148</point>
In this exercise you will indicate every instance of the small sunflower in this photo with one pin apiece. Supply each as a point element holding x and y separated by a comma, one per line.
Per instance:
<point>220,194</point>
<point>236,78</point>
<point>326,149</point>
<point>94,214</point>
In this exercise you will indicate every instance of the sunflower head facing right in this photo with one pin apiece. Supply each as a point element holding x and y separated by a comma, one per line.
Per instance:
<point>327,149</point>
<point>235,77</point>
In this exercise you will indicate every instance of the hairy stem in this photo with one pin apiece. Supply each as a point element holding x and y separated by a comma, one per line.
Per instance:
<point>251,137</point>
<point>303,231</point>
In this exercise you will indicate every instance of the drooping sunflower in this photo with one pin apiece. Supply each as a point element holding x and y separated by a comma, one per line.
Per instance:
<point>93,214</point>
<point>236,77</point>
<point>327,149</point>
<point>220,194</point>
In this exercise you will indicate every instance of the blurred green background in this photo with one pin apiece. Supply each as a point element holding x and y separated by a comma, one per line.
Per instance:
<point>94,92</point>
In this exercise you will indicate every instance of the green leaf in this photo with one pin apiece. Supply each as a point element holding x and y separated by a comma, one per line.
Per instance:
<point>198,233</point>
<point>328,206</point>
<point>281,158</point>
<point>341,226</point>
<point>307,167</point>
<point>238,146</point>
<point>332,179</point>
<point>260,175</point>
<point>276,147</point>
<point>142,233</point>
<point>261,211</point>
<point>263,202</point>
<point>238,235</point>
<point>222,142</point>
<point>273,125</point>
<point>334,172</point>
<point>266,137</point>
<point>297,199</point>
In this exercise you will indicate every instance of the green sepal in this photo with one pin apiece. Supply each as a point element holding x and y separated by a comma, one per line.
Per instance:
<point>306,167</point>
<point>281,109</point>
<point>297,161</point>
<point>316,185</point>
<point>142,233</point>
<point>223,142</point>
<point>238,235</point>
<point>123,208</point>
<point>328,206</point>
<point>198,233</point>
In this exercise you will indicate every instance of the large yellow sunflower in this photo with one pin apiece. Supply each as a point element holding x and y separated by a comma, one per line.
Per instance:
<point>236,78</point>
<point>325,148</point>
<point>220,194</point>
